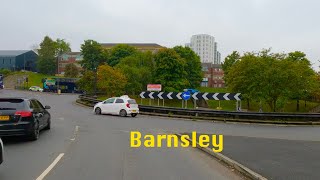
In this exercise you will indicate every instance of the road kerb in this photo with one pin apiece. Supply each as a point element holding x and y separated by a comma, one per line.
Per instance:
<point>239,167</point>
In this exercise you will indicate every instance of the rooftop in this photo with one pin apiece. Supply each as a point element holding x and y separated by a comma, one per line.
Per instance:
<point>12,53</point>
<point>133,44</point>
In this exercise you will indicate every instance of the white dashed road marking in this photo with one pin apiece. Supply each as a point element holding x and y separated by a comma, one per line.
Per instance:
<point>54,163</point>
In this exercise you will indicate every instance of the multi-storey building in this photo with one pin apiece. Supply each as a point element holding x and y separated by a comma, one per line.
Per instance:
<point>69,58</point>
<point>206,47</point>
<point>213,75</point>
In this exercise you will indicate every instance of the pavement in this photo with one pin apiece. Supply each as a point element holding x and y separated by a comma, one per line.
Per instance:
<point>81,145</point>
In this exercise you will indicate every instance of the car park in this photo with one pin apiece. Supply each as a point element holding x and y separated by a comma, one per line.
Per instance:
<point>35,88</point>
<point>23,117</point>
<point>122,106</point>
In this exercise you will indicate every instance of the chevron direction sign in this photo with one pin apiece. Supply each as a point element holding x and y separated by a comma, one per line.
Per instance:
<point>196,96</point>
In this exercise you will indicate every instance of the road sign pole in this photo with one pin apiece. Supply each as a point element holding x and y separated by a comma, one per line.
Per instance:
<point>163,102</point>
<point>182,104</point>
<point>158,102</point>
<point>237,108</point>
<point>186,103</point>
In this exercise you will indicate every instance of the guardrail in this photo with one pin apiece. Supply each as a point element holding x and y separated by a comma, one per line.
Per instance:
<point>279,118</point>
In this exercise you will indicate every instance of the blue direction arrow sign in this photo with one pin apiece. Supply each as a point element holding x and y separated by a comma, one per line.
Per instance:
<point>186,95</point>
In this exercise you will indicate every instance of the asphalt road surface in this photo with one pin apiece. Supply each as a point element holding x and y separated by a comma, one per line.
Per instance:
<point>81,145</point>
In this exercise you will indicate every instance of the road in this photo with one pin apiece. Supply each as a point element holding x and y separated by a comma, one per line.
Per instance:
<point>97,147</point>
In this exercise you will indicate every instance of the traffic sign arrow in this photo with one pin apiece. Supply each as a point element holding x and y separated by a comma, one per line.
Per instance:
<point>204,96</point>
<point>215,96</point>
<point>237,96</point>
<point>142,95</point>
<point>150,95</point>
<point>169,95</point>
<point>179,95</point>
<point>160,95</point>
<point>194,96</point>
<point>226,96</point>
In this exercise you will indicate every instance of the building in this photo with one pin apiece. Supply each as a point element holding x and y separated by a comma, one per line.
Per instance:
<point>213,75</point>
<point>69,58</point>
<point>206,47</point>
<point>18,60</point>
<point>139,46</point>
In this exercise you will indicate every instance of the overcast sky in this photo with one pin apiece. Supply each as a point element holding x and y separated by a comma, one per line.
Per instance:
<point>242,25</point>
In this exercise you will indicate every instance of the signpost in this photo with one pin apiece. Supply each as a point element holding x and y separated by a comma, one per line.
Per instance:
<point>154,87</point>
<point>185,96</point>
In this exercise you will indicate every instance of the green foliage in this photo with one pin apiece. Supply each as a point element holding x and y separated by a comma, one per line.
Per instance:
<point>93,55</point>
<point>71,71</point>
<point>138,69</point>
<point>47,56</point>
<point>120,51</point>
<point>170,70</point>
<point>86,83</point>
<point>229,61</point>
<point>48,52</point>
<point>5,72</point>
<point>62,47</point>
<point>272,77</point>
<point>193,65</point>
<point>111,81</point>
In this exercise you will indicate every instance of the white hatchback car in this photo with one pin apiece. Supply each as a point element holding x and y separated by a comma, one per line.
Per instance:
<point>122,106</point>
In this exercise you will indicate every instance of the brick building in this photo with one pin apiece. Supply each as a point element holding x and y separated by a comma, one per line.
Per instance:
<point>213,75</point>
<point>68,58</point>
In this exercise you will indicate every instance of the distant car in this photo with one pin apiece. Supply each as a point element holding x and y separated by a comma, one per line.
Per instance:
<point>1,151</point>
<point>35,88</point>
<point>191,91</point>
<point>122,106</point>
<point>23,117</point>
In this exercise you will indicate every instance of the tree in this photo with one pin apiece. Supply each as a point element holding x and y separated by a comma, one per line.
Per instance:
<point>71,71</point>
<point>62,47</point>
<point>48,53</point>
<point>229,61</point>
<point>193,65</point>
<point>170,70</point>
<point>86,83</point>
<point>111,81</point>
<point>120,51</point>
<point>93,55</point>
<point>138,69</point>
<point>47,56</point>
<point>304,77</point>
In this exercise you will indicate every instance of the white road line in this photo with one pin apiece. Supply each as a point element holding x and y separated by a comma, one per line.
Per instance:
<point>46,172</point>
<point>77,128</point>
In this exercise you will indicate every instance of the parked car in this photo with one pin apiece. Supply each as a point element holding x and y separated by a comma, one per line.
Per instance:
<point>1,151</point>
<point>36,88</point>
<point>23,117</point>
<point>122,106</point>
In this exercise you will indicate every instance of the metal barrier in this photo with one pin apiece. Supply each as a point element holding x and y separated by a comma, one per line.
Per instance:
<point>289,117</point>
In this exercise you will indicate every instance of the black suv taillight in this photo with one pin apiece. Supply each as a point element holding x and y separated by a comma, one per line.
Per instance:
<point>23,113</point>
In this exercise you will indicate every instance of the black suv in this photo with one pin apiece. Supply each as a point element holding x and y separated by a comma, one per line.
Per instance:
<point>26,117</point>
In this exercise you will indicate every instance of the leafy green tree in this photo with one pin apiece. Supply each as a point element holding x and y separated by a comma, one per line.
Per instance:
<point>93,55</point>
<point>111,81</point>
<point>47,56</point>
<point>62,47</point>
<point>120,51</point>
<point>229,61</point>
<point>193,65</point>
<point>303,77</point>
<point>48,52</point>
<point>86,82</point>
<point>71,71</point>
<point>170,70</point>
<point>138,69</point>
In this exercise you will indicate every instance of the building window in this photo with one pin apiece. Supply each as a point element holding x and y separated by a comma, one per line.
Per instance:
<point>2,61</point>
<point>10,61</point>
